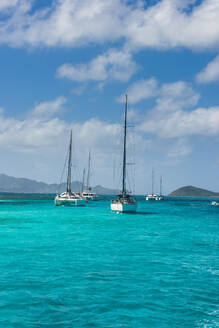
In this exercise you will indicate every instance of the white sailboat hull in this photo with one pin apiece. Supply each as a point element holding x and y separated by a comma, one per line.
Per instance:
<point>60,201</point>
<point>124,207</point>
<point>152,197</point>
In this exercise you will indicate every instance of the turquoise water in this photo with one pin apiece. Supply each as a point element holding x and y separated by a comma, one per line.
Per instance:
<point>88,267</point>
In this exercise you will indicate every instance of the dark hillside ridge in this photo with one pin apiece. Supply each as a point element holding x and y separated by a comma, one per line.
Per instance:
<point>193,191</point>
<point>11,184</point>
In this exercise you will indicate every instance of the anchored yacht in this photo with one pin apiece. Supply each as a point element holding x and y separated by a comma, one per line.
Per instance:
<point>87,193</point>
<point>124,202</point>
<point>161,197</point>
<point>152,196</point>
<point>69,198</point>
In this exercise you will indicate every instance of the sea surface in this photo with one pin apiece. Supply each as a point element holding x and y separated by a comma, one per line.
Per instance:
<point>89,267</point>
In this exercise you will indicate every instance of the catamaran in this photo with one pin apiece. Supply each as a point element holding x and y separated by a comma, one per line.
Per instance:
<point>69,198</point>
<point>87,193</point>
<point>124,202</point>
<point>152,196</point>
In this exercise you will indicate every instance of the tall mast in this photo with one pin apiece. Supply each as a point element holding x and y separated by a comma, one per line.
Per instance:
<point>161,180</point>
<point>82,187</point>
<point>88,173</point>
<point>152,182</point>
<point>124,151</point>
<point>69,165</point>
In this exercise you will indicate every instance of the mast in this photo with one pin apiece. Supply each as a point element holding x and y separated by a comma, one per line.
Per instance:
<point>161,180</point>
<point>69,165</point>
<point>88,173</point>
<point>152,182</point>
<point>124,151</point>
<point>82,187</point>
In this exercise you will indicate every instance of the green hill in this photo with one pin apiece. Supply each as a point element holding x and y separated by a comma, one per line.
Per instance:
<point>193,191</point>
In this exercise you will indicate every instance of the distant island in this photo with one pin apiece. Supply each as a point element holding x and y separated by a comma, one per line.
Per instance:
<point>193,191</point>
<point>9,184</point>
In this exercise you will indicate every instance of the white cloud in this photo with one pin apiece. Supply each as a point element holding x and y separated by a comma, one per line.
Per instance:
<point>210,73</point>
<point>139,90</point>
<point>64,23</point>
<point>201,121</point>
<point>178,90</point>
<point>166,24</point>
<point>113,65</point>
<point>172,116</point>
<point>29,135</point>
<point>48,108</point>
<point>169,95</point>
<point>176,95</point>
<point>39,132</point>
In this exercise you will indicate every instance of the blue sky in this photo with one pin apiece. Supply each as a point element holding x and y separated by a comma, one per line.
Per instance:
<point>66,64</point>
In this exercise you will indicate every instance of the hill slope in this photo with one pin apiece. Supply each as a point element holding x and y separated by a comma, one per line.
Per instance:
<point>21,185</point>
<point>193,191</point>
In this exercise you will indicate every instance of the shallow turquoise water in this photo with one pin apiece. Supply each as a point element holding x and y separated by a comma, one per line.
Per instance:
<point>88,267</point>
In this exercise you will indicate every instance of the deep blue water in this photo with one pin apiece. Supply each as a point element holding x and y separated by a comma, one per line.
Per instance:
<point>89,267</point>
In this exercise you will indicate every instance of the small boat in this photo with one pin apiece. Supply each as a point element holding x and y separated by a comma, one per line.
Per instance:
<point>214,203</point>
<point>152,196</point>
<point>69,198</point>
<point>87,193</point>
<point>124,202</point>
<point>161,197</point>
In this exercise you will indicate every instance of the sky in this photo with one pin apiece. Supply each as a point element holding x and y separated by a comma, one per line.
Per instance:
<point>67,64</point>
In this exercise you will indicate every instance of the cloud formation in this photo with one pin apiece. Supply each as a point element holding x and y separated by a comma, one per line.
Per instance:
<point>210,73</point>
<point>181,123</point>
<point>163,25</point>
<point>42,131</point>
<point>174,114</point>
<point>176,95</point>
<point>113,65</point>
<point>47,109</point>
<point>168,95</point>
<point>140,90</point>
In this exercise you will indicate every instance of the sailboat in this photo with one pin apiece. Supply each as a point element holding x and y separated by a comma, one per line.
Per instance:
<point>152,196</point>
<point>161,184</point>
<point>69,198</point>
<point>88,194</point>
<point>124,202</point>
